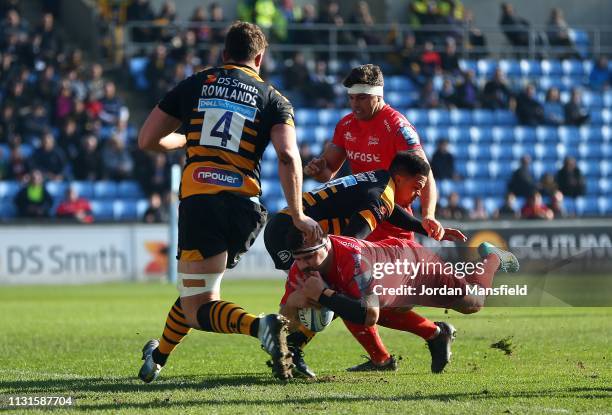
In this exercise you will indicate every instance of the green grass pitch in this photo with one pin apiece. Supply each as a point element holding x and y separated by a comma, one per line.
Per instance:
<point>85,342</point>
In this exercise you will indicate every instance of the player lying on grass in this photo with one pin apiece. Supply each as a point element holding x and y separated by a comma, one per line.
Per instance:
<point>356,293</point>
<point>355,206</point>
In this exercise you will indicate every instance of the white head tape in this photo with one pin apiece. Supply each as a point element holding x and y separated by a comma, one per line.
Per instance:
<point>366,89</point>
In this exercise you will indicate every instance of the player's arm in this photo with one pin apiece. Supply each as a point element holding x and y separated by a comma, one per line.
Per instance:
<point>325,167</point>
<point>429,198</point>
<point>290,174</point>
<point>158,132</point>
<point>348,308</point>
<point>402,219</point>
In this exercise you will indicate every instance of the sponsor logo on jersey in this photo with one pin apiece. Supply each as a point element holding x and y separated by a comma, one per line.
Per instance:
<point>410,134</point>
<point>349,137</point>
<point>387,126</point>
<point>360,156</point>
<point>210,79</point>
<point>219,177</point>
<point>373,141</point>
<point>284,256</point>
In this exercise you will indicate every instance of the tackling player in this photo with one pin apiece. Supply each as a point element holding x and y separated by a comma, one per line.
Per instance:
<point>230,115</point>
<point>354,206</point>
<point>369,137</point>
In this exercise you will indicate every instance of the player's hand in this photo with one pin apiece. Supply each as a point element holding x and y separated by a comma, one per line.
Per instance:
<point>309,227</point>
<point>451,234</point>
<point>433,228</point>
<point>297,299</point>
<point>313,286</point>
<point>315,166</point>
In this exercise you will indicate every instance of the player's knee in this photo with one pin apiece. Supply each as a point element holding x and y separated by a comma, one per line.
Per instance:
<point>371,316</point>
<point>469,304</point>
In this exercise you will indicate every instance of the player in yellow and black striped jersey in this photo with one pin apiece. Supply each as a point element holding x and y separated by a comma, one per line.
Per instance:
<point>229,115</point>
<point>355,205</point>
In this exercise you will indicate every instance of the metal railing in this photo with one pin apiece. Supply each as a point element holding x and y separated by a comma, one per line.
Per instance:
<point>331,40</point>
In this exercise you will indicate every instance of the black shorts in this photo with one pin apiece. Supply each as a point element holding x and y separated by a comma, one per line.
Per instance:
<point>211,224</point>
<point>275,236</point>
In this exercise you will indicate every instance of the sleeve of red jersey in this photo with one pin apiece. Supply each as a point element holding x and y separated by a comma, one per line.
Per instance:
<point>290,283</point>
<point>338,139</point>
<point>406,136</point>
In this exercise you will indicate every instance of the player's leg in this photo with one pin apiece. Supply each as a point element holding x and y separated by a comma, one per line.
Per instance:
<point>368,337</point>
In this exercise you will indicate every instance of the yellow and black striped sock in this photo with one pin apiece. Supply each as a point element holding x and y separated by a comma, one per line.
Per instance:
<point>176,328</point>
<point>301,337</point>
<point>226,317</point>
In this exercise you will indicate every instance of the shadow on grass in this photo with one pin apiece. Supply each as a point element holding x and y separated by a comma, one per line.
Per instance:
<point>207,386</point>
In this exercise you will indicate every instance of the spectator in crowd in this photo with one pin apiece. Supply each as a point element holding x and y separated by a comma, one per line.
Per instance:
<point>64,102</point>
<point>9,123</point>
<point>508,209</point>
<point>157,72</point>
<point>296,76</point>
<point>197,24</point>
<point>362,16</point>
<point>87,164</point>
<point>515,28</point>
<point>320,89</point>
<point>466,93</point>
<point>74,207</point>
<point>522,183</point>
<point>18,166</point>
<point>95,83</point>
<point>117,164</point>
<point>410,60</point>
<point>553,108</point>
<point>447,94</point>
<point>570,179</point>
<point>477,43</point>
<point>428,97</point>
<point>558,35</point>
<point>218,21</point>
<point>453,210</point>
<point>443,162</point>
<point>431,62</point>
<point>50,159</point>
<point>155,213</point>
<point>33,200</point>
<point>69,139</point>
<point>157,179</point>
<point>497,94</point>
<point>35,125</point>
<point>47,84</point>
<point>113,110</point>
<point>51,43</point>
<point>534,208</point>
<point>449,58</point>
<point>556,205</point>
<point>529,110</point>
<point>141,11</point>
<point>479,212</point>
<point>547,186</point>
<point>600,77</point>
<point>575,114</point>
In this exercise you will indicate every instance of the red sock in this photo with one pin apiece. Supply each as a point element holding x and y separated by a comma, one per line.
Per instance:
<point>486,278</point>
<point>370,340</point>
<point>407,321</point>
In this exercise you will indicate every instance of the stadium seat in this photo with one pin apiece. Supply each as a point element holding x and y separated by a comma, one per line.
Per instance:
<point>504,117</point>
<point>467,203</point>
<point>530,68</point>
<point>327,117</point>
<point>590,134</point>
<point>459,135</point>
<point>551,67</point>
<point>306,117</point>
<point>8,190</point>
<point>129,189</point>
<point>126,210</point>
<point>102,209</point>
<point>572,67</point>
<point>481,134</point>
<point>482,117</point>
<point>401,84</point>
<point>138,71</point>
<point>323,134</point>
<point>511,68</point>
<point>305,134</point>
<point>468,65</point>
<point>580,39</point>
<point>569,136</point>
<point>492,204</point>
<point>57,189</point>
<point>398,99</point>
<point>84,189</point>
<point>461,117</point>
<point>607,99</point>
<point>526,135</point>
<point>7,209</point>
<point>546,134</point>
<point>417,117</point>
<point>502,134</point>
<point>486,67</point>
<point>587,206</point>
<point>438,117</point>
<point>105,189</point>
<point>592,99</point>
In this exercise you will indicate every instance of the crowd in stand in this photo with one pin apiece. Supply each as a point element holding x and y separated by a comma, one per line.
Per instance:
<point>61,120</point>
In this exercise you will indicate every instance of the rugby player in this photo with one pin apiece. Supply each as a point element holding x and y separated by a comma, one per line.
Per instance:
<point>229,116</point>
<point>354,292</point>
<point>369,137</point>
<point>354,206</point>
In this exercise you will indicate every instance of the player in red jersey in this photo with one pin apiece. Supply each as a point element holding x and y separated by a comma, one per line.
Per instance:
<point>356,293</point>
<point>369,138</point>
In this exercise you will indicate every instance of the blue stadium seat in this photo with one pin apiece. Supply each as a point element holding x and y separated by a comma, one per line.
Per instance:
<point>504,117</point>
<point>459,135</point>
<point>461,117</point>
<point>459,151</point>
<point>496,187</point>
<point>438,117</point>
<point>607,99</point>
<point>429,134</point>
<point>5,152</point>
<point>580,39</point>
<point>102,209</point>
<point>551,67</point>
<point>525,135</point>
<point>306,117</point>
<point>511,68</point>
<point>590,134</point>
<point>473,187</point>
<point>138,71</point>
<point>129,189</point>
<point>323,134</point>
<point>546,134</point>
<point>398,84</point>
<point>7,209</point>
<point>482,117</point>
<point>105,189</point>
<point>530,68</point>
<point>468,65</point>
<point>572,67</point>
<point>486,67</point>
<point>597,117</point>
<point>57,189</point>
<point>27,150</point>
<point>479,152</point>
<point>328,117</point>
<point>399,99</point>
<point>445,187</point>
<point>8,190</point>
<point>417,117</point>
<point>467,203</point>
<point>126,210</point>
<point>481,134</point>
<point>588,205</point>
<point>305,134</point>
<point>569,135</point>
<point>268,169</point>
<point>592,99</point>
<point>502,134</point>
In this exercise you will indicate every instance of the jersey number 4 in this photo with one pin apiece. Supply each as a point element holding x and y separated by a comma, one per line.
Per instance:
<point>222,129</point>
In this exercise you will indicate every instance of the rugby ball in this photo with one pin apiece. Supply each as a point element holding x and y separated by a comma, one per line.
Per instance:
<point>315,319</point>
